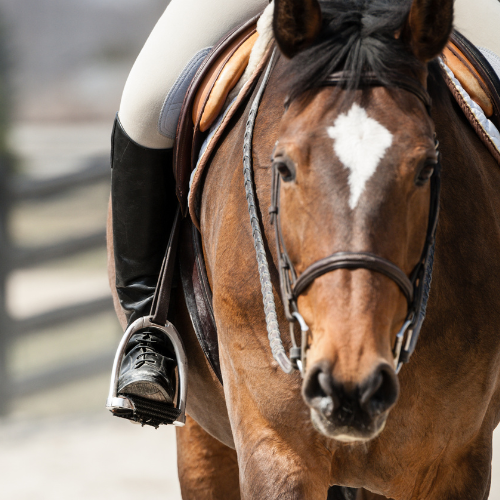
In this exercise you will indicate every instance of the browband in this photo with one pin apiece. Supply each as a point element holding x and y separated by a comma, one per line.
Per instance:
<point>370,79</point>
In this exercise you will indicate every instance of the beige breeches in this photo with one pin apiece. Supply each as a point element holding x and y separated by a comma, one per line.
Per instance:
<point>188,28</point>
<point>184,30</point>
<point>479,21</point>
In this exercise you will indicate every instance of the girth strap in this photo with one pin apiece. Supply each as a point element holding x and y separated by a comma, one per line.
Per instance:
<point>354,260</point>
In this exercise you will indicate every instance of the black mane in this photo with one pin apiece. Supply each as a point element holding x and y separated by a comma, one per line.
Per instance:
<point>357,36</point>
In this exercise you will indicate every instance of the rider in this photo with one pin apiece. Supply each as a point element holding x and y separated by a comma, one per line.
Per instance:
<point>143,188</point>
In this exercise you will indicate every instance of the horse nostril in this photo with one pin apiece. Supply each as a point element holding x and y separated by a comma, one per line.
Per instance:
<point>325,383</point>
<point>312,388</point>
<point>380,391</point>
<point>371,398</point>
<point>320,391</point>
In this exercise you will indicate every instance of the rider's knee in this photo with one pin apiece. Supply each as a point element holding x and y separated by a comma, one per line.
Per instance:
<point>156,86</point>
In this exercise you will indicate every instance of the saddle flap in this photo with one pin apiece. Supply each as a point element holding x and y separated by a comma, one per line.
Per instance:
<point>468,77</point>
<point>476,88</point>
<point>189,135</point>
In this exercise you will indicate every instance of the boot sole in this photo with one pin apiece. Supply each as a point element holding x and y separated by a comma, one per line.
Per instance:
<point>147,390</point>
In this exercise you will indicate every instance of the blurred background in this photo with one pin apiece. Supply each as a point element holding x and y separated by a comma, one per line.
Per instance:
<point>63,64</point>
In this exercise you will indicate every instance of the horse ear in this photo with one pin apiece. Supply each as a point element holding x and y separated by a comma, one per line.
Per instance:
<point>428,27</point>
<point>296,23</point>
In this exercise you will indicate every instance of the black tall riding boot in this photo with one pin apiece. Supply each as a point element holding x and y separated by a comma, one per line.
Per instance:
<point>143,206</point>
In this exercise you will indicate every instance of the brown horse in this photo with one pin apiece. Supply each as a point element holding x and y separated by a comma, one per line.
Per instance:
<point>355,163</point>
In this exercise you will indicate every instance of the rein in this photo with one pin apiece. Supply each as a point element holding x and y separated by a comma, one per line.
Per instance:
<point>273,330</point>
<point>416,287</point>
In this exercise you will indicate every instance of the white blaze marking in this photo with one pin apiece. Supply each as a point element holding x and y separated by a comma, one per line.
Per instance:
<point>360,144</point>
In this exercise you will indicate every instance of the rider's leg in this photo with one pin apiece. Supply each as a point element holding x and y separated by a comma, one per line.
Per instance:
<point>142,208</point>
<point>143,191</point>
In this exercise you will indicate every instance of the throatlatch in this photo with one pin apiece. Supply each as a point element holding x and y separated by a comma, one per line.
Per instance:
<point>136,408</point>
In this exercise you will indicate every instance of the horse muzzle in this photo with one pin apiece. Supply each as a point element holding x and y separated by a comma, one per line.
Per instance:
<point>350,412</point>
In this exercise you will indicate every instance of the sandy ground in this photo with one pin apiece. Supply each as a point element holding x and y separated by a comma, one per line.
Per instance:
<point>98,457</point>
<point>91,457</point>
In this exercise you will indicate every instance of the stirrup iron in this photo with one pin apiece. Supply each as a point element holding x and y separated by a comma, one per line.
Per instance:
<point>142,410</point>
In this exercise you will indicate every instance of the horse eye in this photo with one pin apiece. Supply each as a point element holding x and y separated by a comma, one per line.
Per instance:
<point>425,172</point>
<point>285,169</point>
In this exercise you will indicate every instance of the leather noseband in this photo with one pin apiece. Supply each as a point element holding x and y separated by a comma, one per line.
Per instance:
<point>351,260</point>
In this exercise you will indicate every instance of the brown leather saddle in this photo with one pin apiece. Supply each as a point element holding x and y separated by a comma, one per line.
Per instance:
<point>198,103</point>
<point>479,80</point>
<point>204,100</point>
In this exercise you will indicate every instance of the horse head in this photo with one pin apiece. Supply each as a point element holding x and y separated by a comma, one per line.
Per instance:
<point>354,162</point>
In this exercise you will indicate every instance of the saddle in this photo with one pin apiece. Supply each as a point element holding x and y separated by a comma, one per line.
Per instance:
<point>210,93</point>
<point>205,97</point>
<point>476,88</point>
<point>470,78</point>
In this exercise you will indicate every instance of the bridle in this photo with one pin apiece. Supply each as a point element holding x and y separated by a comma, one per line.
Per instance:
<point>415,287</point>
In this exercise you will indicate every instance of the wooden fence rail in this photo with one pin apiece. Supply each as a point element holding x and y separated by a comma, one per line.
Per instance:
<point>12,191</point>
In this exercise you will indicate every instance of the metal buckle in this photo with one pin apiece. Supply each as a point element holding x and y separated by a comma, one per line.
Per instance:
<point>396,351</point>
<point>304,329</point>
<point>121,404</point>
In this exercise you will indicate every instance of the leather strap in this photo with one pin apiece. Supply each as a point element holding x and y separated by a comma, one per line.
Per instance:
<point>161,299</point>
<point>354,260</point>
<point>371,80</point>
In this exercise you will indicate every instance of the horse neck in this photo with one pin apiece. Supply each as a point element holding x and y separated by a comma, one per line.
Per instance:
<point>468,235</point>
<point>470,176</point>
